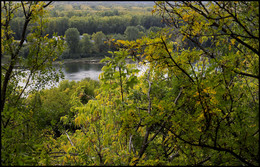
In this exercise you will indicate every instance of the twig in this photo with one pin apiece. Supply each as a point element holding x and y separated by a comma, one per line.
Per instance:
<point>69,139</point>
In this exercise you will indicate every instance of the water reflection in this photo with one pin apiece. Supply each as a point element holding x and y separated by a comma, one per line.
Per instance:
<point>71,68</point>
<point>79,66</point>
<point>79,70</point>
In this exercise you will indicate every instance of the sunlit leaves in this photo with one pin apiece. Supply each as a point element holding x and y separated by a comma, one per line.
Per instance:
<point>190,106</point>
<point>35,71</point>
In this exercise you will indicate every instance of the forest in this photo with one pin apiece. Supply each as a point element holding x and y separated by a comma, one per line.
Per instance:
<point>90,24</point>
<point>197,102</point>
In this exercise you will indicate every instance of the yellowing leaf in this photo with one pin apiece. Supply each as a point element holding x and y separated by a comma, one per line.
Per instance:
<point>185,17</point>
<point>233,41</point>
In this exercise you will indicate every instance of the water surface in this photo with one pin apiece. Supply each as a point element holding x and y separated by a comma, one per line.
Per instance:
<point>76,71</point>
<point>79,70</point>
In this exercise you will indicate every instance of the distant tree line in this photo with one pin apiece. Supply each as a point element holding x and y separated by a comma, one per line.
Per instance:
<point>95,44</point>
<point>88,26</point>
<point>91,24</point>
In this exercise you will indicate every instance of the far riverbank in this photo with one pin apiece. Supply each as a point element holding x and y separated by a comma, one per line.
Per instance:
<point>89,60</point>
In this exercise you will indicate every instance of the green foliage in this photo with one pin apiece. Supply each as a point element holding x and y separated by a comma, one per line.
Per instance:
<point>108,18</point>
<point>190,106</point>
<point>187,108</point>
<point>72,39</point>
<point>132,33</point>
<point>19,132</point>
<point>99,39</point>
<point>86,45</point>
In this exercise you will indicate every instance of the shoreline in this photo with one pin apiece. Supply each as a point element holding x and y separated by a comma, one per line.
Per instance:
<point>90,60</point>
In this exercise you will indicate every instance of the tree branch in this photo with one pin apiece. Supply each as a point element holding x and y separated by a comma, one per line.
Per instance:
<point>69,139</point>
<point>146,142</point>
<point>47,4</point>
<point>213,148</point>
<point>175,61</point>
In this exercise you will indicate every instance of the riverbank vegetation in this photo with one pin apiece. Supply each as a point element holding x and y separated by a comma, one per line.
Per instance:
<point>87,25</point>
<point>197,103</point>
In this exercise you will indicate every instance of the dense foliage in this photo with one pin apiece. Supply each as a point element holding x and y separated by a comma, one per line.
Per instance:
<point>89,19</point>
<point>19,139</point>
<point>195,103</point>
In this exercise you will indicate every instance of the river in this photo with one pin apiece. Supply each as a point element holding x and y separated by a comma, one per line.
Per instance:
<point>79,70</point>
<point>76,71</point>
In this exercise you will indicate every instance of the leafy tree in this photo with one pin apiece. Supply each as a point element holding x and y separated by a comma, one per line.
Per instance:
<point>79,23</point>
<point>134,21</point>
<point>132,33</point>
<point>154,29</point>
<point>72,39</point>
<point>86,44</point>
<point>62,25</point>
<point>100,124</point>
<point>54,103</point>
<point>191,106</point>
<point>118,37</point>
<point>51,27</point>
<point>56,110</point>
<point>17,132</point>
<point>16,26</point>
<point>110,13</point>
<point>148,21</point>
<point>207,122</point>
<point>195,102</point>
<point>99,39</point>
<point>141,28</point>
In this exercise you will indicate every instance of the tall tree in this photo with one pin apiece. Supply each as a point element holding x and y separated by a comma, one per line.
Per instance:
<point>194,106</point>
<point>86,44</point>
<point>217,96</point>
<point>35,72</point>
<point>62,25</point>
<point>132,33</point>
<point>230,25</point>
<point>72,39</point>
<point>99,39</point>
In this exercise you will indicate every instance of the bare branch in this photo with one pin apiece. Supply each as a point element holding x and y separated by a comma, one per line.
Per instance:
<point>69,139</point>
<point>47,4</point>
